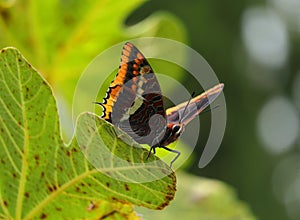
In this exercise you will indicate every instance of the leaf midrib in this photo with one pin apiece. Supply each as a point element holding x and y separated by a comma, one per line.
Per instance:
<point>21,190</point>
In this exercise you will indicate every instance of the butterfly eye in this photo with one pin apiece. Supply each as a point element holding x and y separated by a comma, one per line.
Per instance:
<point>176,129</point>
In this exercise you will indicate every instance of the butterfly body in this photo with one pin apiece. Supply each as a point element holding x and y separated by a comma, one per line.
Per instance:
<point>134,103</point>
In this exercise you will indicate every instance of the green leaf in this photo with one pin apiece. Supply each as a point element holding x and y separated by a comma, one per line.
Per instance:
<point>60,38</point>
<point>41,177</point>
<point>56,34</point>
<point>202,198</point>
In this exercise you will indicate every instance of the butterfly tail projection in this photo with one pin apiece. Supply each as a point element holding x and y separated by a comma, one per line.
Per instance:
<point>198,104</point>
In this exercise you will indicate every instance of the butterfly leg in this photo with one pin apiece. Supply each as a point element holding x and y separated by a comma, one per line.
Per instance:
<point>152,148</point>
<point>174,151</point>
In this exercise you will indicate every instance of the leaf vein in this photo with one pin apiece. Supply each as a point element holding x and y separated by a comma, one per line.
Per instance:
<point>43,129</point>
<point>36,95</point>
<point>21,190</point>
<point>10,92</point>
<point>11,115</point>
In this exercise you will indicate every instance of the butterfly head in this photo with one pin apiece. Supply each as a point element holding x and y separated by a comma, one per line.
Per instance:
<point>173,132</point>
<point>176,129</point>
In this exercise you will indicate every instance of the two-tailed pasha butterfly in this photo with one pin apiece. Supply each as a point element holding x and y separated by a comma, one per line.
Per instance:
<point>135,104</point>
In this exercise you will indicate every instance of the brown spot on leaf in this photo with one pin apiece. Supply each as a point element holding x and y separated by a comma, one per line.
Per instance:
<point>108,184</point>
<point>26,194</point>
<point>2,51</point>
<point>42,174</point>
<point>126,187</point>
<point>162,205</point>
<point>171,188</point>
<point>58,209</point>
<point>19,59</point>
<point>14,175</point>
<point>43,216</point>
<point>68,153</point>
<point>36,158</point>
<point>60,168</point>
<point>5,203</point>
<point>52,188</point>
<point>168,197</point>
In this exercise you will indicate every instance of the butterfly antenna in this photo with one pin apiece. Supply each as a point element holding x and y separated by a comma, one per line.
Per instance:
<point>193,94</point>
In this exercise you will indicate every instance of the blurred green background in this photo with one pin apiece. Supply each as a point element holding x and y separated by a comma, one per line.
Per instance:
<point>253,47</point>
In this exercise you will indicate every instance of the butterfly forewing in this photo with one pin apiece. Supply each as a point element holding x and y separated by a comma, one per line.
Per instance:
<point>133,101</point>
<point>178,114</point>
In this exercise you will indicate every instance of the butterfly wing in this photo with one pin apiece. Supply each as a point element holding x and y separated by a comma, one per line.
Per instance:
<point>196,105</point>
<point>133,101</point>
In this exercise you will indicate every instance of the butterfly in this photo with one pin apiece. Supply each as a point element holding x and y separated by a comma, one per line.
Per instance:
<point>134,103</point>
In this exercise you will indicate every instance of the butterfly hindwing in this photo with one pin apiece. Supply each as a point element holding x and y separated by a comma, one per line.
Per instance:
<point>194,108</point>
